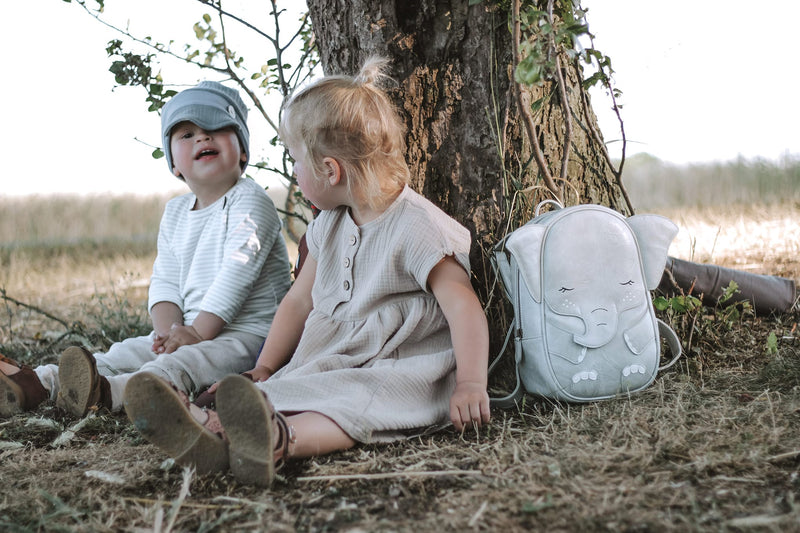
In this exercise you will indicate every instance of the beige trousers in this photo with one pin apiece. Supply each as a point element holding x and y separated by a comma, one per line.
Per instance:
<point>190,368</point>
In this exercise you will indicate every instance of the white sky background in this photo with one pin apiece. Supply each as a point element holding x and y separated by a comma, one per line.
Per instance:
<point>702,80</point>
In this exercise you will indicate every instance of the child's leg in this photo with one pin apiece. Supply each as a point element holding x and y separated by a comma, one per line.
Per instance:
<point>83,379</point>
<point>188,368</point>
<point>196,366</point>
<point>316,434</point>
<point>123,357</point>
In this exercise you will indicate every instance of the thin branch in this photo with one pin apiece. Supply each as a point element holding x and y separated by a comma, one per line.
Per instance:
<point>232,73</point>
<point>782,456</point>
<point>562,89</point>
<point>523,101</point>
<point>14,301</point>
<point>297,34</point>
<point>218,8</point>
<point>598,139</point>
<point>590,125</point>
<point>279,50</point>
<point>618,171</point>
<point>157,46</point>
<point>391,475</point>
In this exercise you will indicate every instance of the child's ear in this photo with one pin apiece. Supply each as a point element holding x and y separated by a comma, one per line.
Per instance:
<point>333,171</point>
<point>176,172</point>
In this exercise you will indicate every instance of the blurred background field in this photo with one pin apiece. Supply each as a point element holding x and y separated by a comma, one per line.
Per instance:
<point>79,257</point>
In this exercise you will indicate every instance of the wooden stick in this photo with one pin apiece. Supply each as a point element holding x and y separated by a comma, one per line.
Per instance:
<point>781,456</point>
<point>391,475</point>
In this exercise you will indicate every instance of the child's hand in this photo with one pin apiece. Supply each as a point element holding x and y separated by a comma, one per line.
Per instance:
<point>158,343</point>
<point>260,373</point>
<point>178,336</point>
<point>469,405</point>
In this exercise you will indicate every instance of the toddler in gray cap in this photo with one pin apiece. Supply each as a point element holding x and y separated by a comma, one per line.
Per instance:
<point>211,106</point>
<point>220,271</point>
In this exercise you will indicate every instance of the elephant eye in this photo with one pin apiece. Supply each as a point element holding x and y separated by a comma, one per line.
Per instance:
<point>629,282</point>
<point>564,289</point>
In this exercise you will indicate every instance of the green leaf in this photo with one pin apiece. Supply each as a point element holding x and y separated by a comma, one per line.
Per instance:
<point>207,18</point>
<point>528,74</point>
<point>729,292</point>
<point>158,153</point>
<point>772,343</point>
<point>660,303</point>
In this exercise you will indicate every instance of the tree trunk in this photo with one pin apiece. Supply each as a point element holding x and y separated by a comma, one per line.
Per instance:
<point>466,144</point>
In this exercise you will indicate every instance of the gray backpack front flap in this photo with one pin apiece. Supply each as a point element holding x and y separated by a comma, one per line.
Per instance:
<point>579,279</point>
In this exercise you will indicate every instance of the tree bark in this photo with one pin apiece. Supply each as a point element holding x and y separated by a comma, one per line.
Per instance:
<point>467,148</point>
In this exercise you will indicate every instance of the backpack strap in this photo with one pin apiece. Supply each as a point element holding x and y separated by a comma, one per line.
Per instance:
<point>668,334</point>
<point>516,395</point>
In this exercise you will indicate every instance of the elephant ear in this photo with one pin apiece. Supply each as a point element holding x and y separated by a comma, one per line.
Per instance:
<point>525,244</point>
<point>654,234</point>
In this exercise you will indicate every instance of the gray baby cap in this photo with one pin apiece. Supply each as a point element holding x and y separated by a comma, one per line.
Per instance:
<point>211,106</point>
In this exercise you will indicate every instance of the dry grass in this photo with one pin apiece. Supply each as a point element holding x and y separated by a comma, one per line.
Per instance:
<point>32,220</point>
<point>758,239</point>
<point>713,445</point>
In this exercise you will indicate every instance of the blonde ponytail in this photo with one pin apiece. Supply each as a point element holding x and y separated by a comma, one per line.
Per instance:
<point>373,72</point>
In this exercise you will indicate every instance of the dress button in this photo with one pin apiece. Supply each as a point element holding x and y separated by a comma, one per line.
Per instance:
<point>346,262</point>
<point>352,240</point>
<point>346,285</point>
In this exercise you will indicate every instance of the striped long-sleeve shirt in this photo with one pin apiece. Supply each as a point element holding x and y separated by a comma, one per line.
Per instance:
<point>228,259</point>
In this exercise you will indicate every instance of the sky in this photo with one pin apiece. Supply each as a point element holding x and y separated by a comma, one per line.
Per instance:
<point>701,81</point>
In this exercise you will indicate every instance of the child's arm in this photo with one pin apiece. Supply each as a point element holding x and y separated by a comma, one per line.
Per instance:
<point>164,315</point>
<point>252,228</point>
<point>287,326</point>
<point>469,330</point>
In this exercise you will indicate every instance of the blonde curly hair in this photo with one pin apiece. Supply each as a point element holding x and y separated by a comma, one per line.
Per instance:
<point>351,119</point>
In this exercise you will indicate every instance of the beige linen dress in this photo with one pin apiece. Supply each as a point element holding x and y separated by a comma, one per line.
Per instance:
<point>376,354</point>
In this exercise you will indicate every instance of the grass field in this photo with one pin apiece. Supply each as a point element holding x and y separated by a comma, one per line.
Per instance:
<point>713,445</point>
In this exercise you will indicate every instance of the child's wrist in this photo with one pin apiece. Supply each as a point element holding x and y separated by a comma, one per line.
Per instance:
<point>268,369</point>
<point>197,333</point>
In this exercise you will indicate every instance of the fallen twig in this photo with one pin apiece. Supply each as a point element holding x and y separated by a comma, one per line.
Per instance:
<point>782,456</point>
<point>69,433</point>
<point>14,301</point>
<point>391,475</point>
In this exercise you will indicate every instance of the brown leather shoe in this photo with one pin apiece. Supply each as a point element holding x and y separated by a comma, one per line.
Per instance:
<point>166,418</point>
<point>80,386</point>
<point>258,436</point>
<point>21,391</point>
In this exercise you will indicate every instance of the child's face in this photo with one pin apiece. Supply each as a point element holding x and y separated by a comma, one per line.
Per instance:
<point>312,187</point>
<point>206,159</point>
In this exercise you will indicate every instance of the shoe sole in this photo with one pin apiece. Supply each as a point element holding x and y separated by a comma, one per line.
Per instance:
<point>77,378</point>
<point>247,418</point>
<point>158,412</point>
<point>11,397</point>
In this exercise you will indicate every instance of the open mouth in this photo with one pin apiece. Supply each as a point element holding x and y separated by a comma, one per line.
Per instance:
<point>205,153</point>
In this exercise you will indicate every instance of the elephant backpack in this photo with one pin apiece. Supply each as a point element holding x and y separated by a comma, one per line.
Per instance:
<point>579,279</point>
